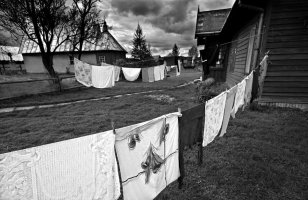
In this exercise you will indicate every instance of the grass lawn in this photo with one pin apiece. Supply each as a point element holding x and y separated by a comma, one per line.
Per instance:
<point>121,87</point>
<point>262,156</point>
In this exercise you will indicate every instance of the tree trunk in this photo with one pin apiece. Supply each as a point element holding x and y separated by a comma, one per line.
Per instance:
<point>48,63</point>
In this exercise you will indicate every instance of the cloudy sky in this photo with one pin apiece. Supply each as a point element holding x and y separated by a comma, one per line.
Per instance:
<point>164,22</point>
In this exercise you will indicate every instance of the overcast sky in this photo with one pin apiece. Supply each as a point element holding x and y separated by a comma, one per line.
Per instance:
<point>164,22</point>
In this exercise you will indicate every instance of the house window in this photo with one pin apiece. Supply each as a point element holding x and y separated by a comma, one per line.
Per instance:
<point>71,60</point>
<point>101,59</point>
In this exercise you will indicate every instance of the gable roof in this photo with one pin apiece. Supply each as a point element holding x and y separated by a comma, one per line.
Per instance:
<point>105,42</point>
<point>211,22</point>
<point>6,50</point>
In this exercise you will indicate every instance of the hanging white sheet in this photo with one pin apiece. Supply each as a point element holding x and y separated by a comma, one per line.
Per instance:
<point>239,97</point>
<point>83,168</point>
<point>131,74</point>
<point>117,71</point>
<point>148,156</point>
<point>103,76</point>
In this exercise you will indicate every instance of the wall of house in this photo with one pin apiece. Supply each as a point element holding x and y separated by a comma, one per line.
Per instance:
<point>33,63</point>
<point>239,51</point>
<point>287,40</point>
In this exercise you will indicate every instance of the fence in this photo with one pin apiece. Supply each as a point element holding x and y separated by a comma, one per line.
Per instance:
<point>12,89</point>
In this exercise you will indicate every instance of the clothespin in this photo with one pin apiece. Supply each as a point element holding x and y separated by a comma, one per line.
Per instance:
<point>180,111</point>
<point>267,52</point>
<point>112,125</point>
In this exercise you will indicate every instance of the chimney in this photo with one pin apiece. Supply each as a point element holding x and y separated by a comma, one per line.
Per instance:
<point>97,28</point>
<point>105,27</point>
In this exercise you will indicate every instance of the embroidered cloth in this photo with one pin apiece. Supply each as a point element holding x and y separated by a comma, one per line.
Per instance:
<point>213,117</point>
<point>84,168</point>
<point>83,72</point>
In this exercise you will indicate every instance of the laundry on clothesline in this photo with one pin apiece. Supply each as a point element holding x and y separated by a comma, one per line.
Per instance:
<point>83,72</point>
<point>248,89</point>
<point>213,117</point>
<point>92,75</point>
<point>131,74</point>
<point>103,76</point>
<point>239,97</point>
<point>117,71</point>
<point>148,74</point>
<point>82,168</point>
<point>148,156</point>
<point>228,108</point>
<point>190,133</point>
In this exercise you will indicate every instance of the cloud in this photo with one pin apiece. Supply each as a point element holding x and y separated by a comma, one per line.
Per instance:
<point>164,22</point>
<point>138,7</point>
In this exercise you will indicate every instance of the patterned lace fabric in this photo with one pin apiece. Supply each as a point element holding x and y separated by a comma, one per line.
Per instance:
<point>82,168</point>
<point>83,72</point>
<point>214,113</point>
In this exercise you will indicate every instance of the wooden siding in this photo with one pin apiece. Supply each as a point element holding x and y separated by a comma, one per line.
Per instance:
<point>238,51</point>
<point>287,39</point>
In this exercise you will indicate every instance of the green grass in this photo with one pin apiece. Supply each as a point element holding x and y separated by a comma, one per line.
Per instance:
<point>121,87</point>
<point>262,156</point>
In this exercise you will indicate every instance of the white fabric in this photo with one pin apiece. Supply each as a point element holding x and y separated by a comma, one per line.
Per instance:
<point>239,97</point>
<point>157,70</point>
<point>214,113</point>
<point>83,72</point>
<point>117,71</point>
<point>130,160</point>
<point>131,74</point>
<point>248,89</point>
<point>162,72</point>
<point>84,168</point>
<point>103,76</point>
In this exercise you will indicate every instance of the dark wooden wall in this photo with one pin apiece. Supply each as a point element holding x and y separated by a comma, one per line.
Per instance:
<point>237,52</point>
<point>287,39</point>
<point>110,56</point>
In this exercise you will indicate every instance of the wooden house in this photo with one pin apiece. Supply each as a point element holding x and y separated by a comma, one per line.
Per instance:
<point>104,48</point>
<point>252,28</point>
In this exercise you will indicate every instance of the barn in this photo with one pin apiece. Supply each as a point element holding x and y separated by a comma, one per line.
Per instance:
<point>251,30</point>
<point>105,49</point>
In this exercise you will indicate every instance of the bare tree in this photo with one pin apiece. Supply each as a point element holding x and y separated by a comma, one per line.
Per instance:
<point>84,23</point>
<point>41,21</point>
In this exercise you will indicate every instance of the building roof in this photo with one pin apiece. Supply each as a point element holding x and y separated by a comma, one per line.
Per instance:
<point>211,22</point>
<point>6,51</point>
<point>104,42</point>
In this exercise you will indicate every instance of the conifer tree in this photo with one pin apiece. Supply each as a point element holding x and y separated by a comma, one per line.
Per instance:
<point>175,50</point>
<point>140,49</point>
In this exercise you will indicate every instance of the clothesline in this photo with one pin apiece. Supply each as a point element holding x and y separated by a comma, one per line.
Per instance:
<point>88,166</point>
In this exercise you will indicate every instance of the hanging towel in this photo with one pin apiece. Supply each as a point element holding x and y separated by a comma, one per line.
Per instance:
<point>214,113</point>
<point>157,73</point>
<point>239,97</point>
<point>83,72</point>
<point>103,76</point>
<point>190,132</point>
<point>82,168</point>
<point>248,90</point>
<point>131,74</point>
<point>228,108</point>
<point>162,72</point>
<point>151,74</point>
<point>145,74</point>
<point>148,156</point>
